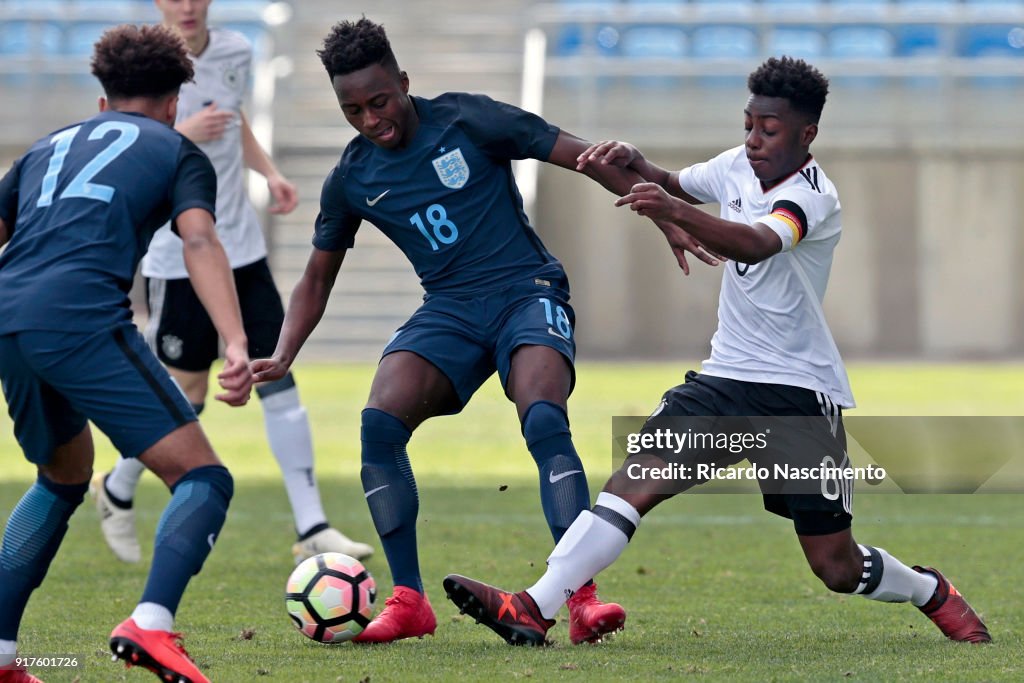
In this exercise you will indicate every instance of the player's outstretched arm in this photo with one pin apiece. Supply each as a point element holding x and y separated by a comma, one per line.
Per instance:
<point>625,155</point>
<point>214,284</point>
<point>305,309</point>
<point>738,241</point>
<point>619,176</point>
<point>284,192</point>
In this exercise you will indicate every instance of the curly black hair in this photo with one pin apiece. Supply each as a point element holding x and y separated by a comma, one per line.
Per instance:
<point>355,45</point>
<point>793,79</point>
<point>141,61</point>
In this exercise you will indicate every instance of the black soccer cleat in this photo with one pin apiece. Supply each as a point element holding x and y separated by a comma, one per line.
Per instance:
<point>513,616</point>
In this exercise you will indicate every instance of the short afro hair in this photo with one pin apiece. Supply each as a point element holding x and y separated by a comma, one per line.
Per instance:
<point>141,61</point>
<point>355,45</point>
<point>791,79</point>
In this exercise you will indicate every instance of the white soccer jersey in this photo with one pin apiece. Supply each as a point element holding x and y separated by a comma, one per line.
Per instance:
<point>221,76</point>
<point>771,327</point>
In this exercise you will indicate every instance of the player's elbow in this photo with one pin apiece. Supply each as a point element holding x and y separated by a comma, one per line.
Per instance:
<point>198,242</point>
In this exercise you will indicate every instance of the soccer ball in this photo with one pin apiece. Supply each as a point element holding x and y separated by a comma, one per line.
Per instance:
<point>330,597</point>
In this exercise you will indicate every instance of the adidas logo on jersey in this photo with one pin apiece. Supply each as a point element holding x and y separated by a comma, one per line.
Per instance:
<point>736,205</point>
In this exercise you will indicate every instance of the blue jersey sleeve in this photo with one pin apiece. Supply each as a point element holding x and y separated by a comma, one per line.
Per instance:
<point>195,183</point>
<point>335,226</point>
<point>504,131</point>
<point>9,197</point>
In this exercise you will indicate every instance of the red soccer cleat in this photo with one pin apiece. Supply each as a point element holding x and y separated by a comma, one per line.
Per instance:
<point>590,619</point>
<point>159,651</point>
<point>406,614</point>
<point>513,616</point>
<point>16,674</point>
<point>951,613</point>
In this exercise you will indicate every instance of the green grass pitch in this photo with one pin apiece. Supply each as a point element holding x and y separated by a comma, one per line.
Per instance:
<point>716,589</point>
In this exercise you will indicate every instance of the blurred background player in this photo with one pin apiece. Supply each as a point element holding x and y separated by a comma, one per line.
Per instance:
<point>179,330</point>
<point>79,209</point>
<point>435,177</point>
<point>772,355</point>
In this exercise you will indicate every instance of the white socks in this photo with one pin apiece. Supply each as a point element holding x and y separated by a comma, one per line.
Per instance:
<point>898,583</point>
<point>124,478</point>
<point>291,441</point>
<point>589,545</point>
<point>153,617</point>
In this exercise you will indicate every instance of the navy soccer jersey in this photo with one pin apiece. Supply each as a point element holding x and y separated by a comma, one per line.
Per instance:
<point>81,207</point>
<point>449,199</point>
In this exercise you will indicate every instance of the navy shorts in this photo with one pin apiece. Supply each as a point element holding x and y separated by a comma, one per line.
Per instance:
<point>181,333</point>
<point>469,337</point>
<point>799,443</point>
<point>55,381</point>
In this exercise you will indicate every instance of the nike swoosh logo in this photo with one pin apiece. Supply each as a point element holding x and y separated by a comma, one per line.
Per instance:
<point>553,478</point>
<point>209,539</point>
<point>373,202</point>
<point>373,491</point>
<point>555,334</point>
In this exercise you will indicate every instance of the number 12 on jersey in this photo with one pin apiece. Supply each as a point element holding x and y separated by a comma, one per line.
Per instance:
<point>441,229</point>
<point>80,186</point>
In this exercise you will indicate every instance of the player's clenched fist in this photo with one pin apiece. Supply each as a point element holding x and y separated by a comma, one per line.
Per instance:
<point>209,123</point>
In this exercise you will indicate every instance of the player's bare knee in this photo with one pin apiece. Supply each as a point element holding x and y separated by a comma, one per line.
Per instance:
<point>71,462</point>
<point>181,451</point>
<point>838,577</point>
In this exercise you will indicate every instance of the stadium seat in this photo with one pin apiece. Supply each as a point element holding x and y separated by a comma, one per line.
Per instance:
<point>790,8</point>
<point>664,43</point>
<point>802,42</point>
<point>717,9</point>
<point>31,44</point>
<point>724,43</point>
<point>574,39</point>
<point>868,10</point>
<point>861,43</point>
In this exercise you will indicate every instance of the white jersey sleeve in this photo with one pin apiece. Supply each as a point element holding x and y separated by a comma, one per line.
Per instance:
<point>800,213</point>
<point>705,181</point>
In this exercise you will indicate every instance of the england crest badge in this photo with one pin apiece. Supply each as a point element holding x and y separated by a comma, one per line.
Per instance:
<point>452,169</point>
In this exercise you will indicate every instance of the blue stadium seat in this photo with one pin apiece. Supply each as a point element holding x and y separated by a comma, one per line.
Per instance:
<point>870,43</point>
<point>993,40</point>
<point>34,42</point>
<point>861,42</point>
<point>715,9</point>
<point>792,7</point>
<point>655,42</point>
<point>666,42</point>
<point>990,40</point>
<point>30,39</point>
<point>869,10</point>
<point>573,39</point>
<point>723,43</point>
<point>795,41</point>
